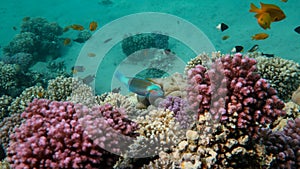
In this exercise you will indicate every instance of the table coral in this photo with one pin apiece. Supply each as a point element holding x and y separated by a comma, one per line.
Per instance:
<point>52,137</point>
<point>234,94</point>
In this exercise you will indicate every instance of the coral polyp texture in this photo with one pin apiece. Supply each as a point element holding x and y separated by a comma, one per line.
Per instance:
<point>282,74</point>
<point>138,42</point>
<point>108,127</point>
<point>284,145</point>
<point>52,137</point>
<point>234,93</point>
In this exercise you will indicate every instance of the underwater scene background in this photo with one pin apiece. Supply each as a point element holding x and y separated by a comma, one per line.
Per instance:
<point>150,84</point>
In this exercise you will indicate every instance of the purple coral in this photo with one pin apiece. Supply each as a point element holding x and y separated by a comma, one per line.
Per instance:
<point>109,128</point>
<point>284,145</point>
<point>52,137</point>
<point>180,109</point>
<point>234,93</point>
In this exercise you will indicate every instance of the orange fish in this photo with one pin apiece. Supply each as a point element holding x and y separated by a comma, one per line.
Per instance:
<point>67,41</point>
<point>260,36</point>
<point>77,27</point>
<point>266,14</point>
<point>93,26</point>
<point>283,0</point>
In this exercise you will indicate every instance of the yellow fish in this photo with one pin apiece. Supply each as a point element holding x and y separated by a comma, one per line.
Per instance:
<point>266,14</point>
<point>93,26</point>
<point>260,36</point>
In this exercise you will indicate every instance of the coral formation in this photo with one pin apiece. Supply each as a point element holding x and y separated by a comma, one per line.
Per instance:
<point>38,37</point>
<point>282,74</point>
<point>158,131</point>
<point>234,94</point>
<point>21,59</point>
<point>180,108</point>
<point>7,126</point>
<point>83,94</point>
<point>24,42</point>
<point>83,36</point>
<point>296,96</point>
<point>19,104</point>
<point>4,103</point>
<point>52,137</point>
<point>4,165</point>
<point>61,87</point>
<point>284,145</point>
<point>8,78</point>
<point>173,85</point>
<point>138,42</point>
<point>292,112</point>
<point>109,128</point>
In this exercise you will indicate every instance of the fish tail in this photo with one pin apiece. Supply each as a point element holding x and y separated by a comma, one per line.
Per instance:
<point>121,78</point>
<point>254,8</point>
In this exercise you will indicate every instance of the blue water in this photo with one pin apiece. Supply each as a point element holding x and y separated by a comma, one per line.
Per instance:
<point>283,41</point>
<point>204,14</point>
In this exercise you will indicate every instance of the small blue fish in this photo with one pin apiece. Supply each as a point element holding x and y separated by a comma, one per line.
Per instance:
<point>141,87</point>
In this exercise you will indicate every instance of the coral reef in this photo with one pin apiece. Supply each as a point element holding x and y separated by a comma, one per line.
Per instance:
<point>19,104</point>
<point>121,102</point>
<point>61,87</point>
<point>83,94</point>
<point>212,145</point>
<point>7,126</point>
<point>138,42</point>
<point>158,131</point>
<point>21,59</point>
<point>4,165</point>
<point>180,108</point>
<point>52,137</point>
<point>234,94</point>
<point>284,145</point>
<point>8,78</point>
<point>107,126</point>
<point>292,112</point>
<point>296,96</point>
<point>83,36</point>
<point>174,85</point>
<point>4,103</point>
<point>25,42</point>
<point>38,37</point>
<point>282,74</point>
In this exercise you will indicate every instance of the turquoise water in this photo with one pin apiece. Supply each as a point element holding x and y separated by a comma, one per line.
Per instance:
<point>204,15</point>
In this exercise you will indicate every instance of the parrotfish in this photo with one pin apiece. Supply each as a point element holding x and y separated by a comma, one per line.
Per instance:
<point>142,87</point>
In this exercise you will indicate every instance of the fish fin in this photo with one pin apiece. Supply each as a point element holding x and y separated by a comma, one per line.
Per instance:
<point>254,8</point>
<point>122,78</point>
